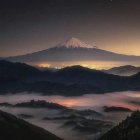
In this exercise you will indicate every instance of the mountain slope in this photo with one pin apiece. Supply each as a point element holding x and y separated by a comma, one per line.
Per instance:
<point>126,70</point>
<point>17,69</point>
<point>13,128</point>
<point>72,50</point>
<point>129,129</point>
<point>20,71</point>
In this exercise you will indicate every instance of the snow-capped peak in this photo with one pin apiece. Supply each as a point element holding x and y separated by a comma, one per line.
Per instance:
<point>74,43</point>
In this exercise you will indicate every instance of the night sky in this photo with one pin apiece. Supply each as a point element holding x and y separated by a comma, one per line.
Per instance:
<point>29,26</point>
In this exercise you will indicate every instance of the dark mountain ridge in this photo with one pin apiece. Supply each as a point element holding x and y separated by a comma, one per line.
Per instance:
<point>126,70</point>
<point>19,77</point>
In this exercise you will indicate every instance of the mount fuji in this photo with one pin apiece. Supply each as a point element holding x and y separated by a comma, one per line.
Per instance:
<point>72,50</point>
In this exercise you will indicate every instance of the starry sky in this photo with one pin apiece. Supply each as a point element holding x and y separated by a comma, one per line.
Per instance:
<point>33,25</point>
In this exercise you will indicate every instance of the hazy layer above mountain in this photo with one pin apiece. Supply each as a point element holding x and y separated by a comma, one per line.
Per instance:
<point>13,128</point>
<point>126,70</point>
<point>74,51</point>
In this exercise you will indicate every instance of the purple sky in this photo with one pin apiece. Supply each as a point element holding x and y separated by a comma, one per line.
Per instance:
<point>29,26</point>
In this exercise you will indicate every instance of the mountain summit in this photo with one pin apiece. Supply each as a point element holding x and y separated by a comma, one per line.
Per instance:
<point>74,43</point>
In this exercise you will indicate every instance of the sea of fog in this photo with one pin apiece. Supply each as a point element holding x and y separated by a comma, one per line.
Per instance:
<point>94,101</point>
<point>128,99</point>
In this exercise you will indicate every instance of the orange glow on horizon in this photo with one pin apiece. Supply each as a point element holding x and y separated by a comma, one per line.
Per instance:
<point>89,64</point>
<point>44,65</point>
<point>70,102</point>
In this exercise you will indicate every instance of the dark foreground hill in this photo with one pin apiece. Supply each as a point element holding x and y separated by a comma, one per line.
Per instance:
<point>128,129</point>
<point>13,128</point>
